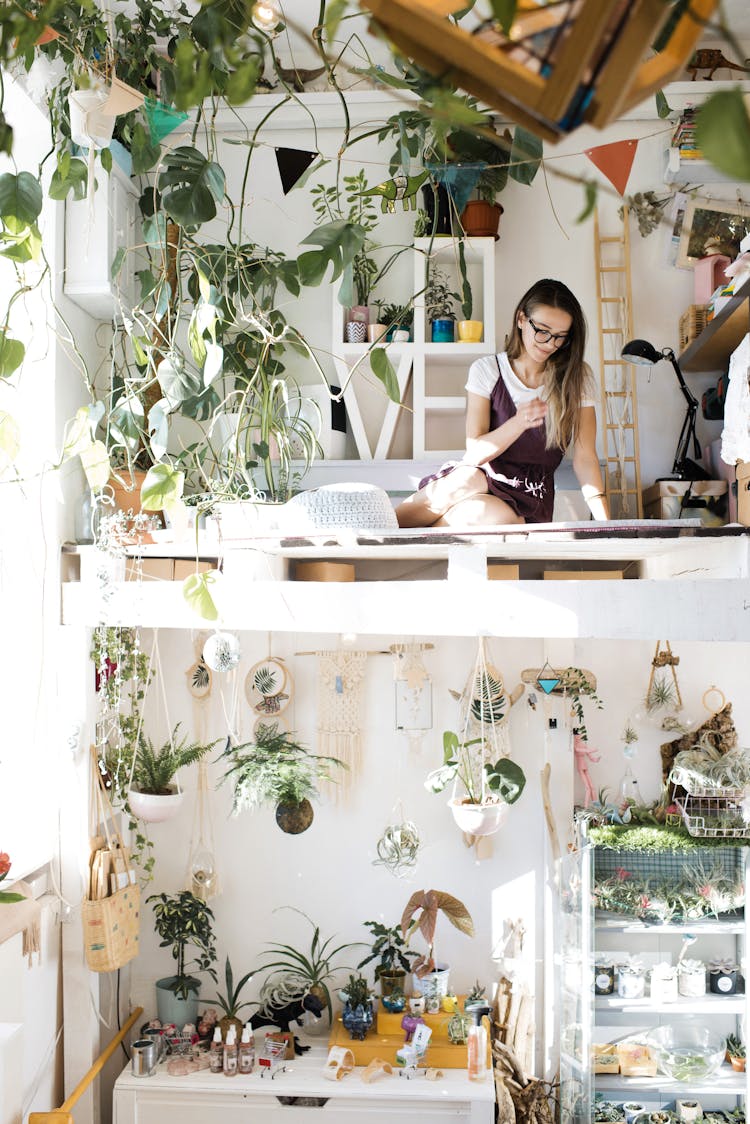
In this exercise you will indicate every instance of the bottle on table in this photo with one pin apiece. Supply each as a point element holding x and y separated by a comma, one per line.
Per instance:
<point>247,1050</point>
<point>476,1044</point>
<point>230,1053</point>
<point>216,1052</point>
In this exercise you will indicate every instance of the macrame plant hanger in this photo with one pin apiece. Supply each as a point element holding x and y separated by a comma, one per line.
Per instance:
<point>202,874</point>
<point>414,682</point>
<point>155,663</point>
<point>481,708</point>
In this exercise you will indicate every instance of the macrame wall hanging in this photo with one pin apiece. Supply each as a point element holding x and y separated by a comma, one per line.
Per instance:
<point>413,692</point>
<point>341,677</point>
<point>202,874</point>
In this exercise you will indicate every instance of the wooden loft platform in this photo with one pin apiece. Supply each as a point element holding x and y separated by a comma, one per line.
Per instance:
<point>680,579</point>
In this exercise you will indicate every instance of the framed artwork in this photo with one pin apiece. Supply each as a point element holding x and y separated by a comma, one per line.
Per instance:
<point>413,705</point>
<point>712,226</point>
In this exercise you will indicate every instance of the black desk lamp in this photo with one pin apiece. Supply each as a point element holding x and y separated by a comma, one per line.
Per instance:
<point>645,354</point>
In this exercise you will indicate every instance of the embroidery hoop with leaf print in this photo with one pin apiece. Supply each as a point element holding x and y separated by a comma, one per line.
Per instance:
<point>269,686</point>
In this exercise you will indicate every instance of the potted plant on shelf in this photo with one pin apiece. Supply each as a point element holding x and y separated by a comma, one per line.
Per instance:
<point>469,331</point>
<point>275,769</point>
<point>182,920</point>
<point>313,969</point>
<point>398,320</point>
<point>736,1053</point>
<point>421,913</point>
<point>230,1001</point>
<point>439,305</point>
<point>154,796</point>
<point>357,1014</point>
<point>394,958</point>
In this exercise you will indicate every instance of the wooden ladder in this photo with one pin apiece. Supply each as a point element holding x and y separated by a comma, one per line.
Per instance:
<point>622,474</point>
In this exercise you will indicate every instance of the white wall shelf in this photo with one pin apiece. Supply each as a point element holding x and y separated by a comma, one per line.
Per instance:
<point>413,361</point>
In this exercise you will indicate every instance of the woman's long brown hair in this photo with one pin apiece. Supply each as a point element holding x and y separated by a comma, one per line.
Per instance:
<point>565,373</point>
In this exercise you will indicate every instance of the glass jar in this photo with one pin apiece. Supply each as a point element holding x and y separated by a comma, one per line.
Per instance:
<point>691,978</point>
<point>631,981</point>
<point>722,978</point>
<point>664,983</point>
<point>604,977</point>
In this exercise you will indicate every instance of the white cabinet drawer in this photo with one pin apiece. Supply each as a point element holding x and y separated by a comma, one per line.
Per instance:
<point>163,1108</point>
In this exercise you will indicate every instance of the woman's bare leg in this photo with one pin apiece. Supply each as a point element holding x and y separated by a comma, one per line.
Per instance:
<point>479,511</point>
<point>425,507</point>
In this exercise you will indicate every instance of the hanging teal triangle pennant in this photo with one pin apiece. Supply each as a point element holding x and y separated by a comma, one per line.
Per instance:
<point>547,679</point>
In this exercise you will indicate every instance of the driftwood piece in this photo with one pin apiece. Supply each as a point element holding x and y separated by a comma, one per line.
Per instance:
<point>529,1097</point>
<point>719,730</point>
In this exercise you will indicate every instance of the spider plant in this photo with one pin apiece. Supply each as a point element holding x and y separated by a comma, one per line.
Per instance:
<point>314,968</point>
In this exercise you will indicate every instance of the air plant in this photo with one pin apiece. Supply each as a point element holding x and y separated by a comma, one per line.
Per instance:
<point>398,848</point>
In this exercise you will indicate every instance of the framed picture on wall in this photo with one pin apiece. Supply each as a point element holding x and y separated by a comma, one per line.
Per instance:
<point>712,226</point>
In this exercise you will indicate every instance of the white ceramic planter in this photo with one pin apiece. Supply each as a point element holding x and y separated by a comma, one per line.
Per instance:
<point>434,983</point>
<point>154,809</point>
<point>478,819</point>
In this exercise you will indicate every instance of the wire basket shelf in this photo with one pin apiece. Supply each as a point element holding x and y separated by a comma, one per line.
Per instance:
<point>715,817</point>
<point>687,780</point>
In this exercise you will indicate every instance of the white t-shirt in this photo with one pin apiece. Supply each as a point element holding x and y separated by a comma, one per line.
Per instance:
<point>483,375</point>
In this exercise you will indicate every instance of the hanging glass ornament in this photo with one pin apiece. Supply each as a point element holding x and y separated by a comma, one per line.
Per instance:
<point>203,874</point>
<point>630,793</point>
<point>221,651</point>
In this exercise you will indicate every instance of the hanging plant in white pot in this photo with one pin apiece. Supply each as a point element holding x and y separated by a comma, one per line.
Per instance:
<point>155,794</point>
<point>478,762</point>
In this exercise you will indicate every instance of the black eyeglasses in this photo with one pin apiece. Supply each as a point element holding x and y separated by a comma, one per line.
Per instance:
<point>541,335</point>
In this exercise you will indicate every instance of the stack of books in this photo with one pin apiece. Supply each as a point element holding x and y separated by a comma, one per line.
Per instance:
<point>683,138</point>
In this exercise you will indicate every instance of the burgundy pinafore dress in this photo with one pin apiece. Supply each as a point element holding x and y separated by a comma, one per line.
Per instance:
<point>524,475</point>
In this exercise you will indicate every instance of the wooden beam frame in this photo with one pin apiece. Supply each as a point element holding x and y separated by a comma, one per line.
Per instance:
<point>422,31</point>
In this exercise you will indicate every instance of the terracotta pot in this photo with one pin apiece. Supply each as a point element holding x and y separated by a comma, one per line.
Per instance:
<point>738,1064</point>
<point>127,490</point>
<point>481,220</point>
<point>294,818</point>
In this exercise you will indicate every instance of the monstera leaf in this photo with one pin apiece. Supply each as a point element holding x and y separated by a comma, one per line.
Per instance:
<point>191,186</point>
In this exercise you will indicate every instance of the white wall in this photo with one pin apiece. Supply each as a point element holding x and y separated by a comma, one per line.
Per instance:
<point>328,872</point>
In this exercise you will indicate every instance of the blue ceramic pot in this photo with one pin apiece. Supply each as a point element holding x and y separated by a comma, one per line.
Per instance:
<point>443,329</point>
<point>357,1020</point>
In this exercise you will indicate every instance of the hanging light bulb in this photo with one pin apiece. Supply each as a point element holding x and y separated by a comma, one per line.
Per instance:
<point>266,16</point>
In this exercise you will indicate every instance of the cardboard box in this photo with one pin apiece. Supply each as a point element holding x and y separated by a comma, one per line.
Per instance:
<point>687,499</point>
<point>743,493</point>
<point>583,575</point>
<point>152,569</point>
<point>184,567</point>
<point>636,1060</point>
<point>604,1059</point>
<point>323,572</point>
<point>503,571</point>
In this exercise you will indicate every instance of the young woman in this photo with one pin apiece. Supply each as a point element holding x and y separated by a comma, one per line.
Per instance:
<point>526,407</point>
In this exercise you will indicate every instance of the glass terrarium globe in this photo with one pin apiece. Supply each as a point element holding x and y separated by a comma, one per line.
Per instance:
<point>203,874</point>
<point>662,709</point>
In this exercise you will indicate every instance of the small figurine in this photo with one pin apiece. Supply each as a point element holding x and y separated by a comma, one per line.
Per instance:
<point>712,60</point>
<point>409,1023</point>
<point>583,754</point>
